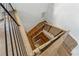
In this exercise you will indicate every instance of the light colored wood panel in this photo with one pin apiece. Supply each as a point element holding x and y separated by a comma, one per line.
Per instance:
<point>54,46</point>
<point>70,42</point>
<point>55,31</point>
<point>62,51</point>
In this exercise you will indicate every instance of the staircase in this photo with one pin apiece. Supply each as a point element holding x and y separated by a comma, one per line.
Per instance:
<point>56,41</point>
<point>44,39</point>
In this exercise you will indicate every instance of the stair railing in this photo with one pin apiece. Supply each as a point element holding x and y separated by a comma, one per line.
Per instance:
<point>12,32</point>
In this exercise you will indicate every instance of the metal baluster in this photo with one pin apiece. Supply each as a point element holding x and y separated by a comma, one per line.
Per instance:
<point>9,24</point>
<point>14,28</point>
<point>21,41</point>
<point>6,46</point>
<point>18,38</point>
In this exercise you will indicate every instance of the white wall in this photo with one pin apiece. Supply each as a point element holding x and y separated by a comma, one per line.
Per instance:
<point>49,13</point>
<point>30,13</point>
<point>67,16</point>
